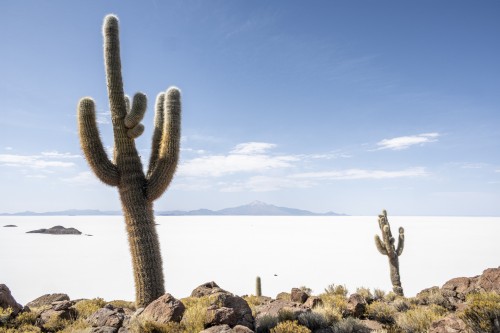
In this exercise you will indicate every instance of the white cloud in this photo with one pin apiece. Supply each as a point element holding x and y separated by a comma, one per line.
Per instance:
<point>8,148</point>
<point>245,157</point>
<point>82,178</point>
<point>404,142</point>
<point>265,184</point>
<point>42,161</point>
<point>252,148</point>
<point>56,154</point>
<point>362,174</point>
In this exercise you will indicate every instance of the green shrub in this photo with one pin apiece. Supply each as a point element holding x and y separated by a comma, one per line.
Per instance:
<point>350,325</point>
<point>378,294</point>
<point>21,329</point>
<point>401,304</point>
<point>335,301</point>
<point>390,296</point>
<point>483,312</point>
<point>290,327</point>
<point>329,313</point>
<point>381,312</point>
<point>333,289</point>
<point>365,293</point>
<point>313,320</point>
<point>123,304</point>
<point>193,319</point>
<point>87,307</point>
<point>265,323</point>
<point>286,315</point>
<point>419,320</point>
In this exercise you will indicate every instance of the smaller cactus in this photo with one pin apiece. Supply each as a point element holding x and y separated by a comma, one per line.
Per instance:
<point>387,247</point>
<point>258,288</point>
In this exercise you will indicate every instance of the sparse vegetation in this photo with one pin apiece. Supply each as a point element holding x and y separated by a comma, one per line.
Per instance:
<point>194,317</point>
<point>333,289</point>
<point>265,323</point>
<point>290,327</point>
<point>483,312</point>
<point>381,311</point>
<point>418,320</point>
<point>350,325</point>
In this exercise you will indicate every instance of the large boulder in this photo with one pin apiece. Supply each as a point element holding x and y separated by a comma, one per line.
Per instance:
<point>448,324</point>
<point>57,311</point>
<point>298,295</point>
<point>489,280</point>
<point>313,301</point>
<point>227,329</point>
<point>47,299</point>
<point>224,299</point>
<point>274,309</point>
<point>108,316</point>
<point>163,310</point>
<point>356,305</point>
<point>8,301</point>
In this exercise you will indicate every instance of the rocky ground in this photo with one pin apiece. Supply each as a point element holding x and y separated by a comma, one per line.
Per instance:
<point>460,305</point>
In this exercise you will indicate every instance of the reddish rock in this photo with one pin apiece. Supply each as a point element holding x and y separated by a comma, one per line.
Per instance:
<point>489,280</point>
<point>163,310</point>
<point>108,316</point>
<point>298,295</point>
<point>47,299</point>
<point>448,324</point>
<point>219,316</point>
<point>356,305</point>
<point>8,301</point>
<point>313,301</point>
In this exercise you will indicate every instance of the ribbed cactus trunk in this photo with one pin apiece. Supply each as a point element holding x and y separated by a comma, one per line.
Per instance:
<point>258,287</point>
<point>137,190</point>
<point>386,247</point>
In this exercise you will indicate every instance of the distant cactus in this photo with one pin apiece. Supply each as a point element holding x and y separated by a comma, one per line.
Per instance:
<point>137,190</point>
<point>258,287</point>
<point>386,247</point>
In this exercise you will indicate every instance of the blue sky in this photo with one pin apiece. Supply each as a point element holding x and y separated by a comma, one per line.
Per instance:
<point>346,106</point>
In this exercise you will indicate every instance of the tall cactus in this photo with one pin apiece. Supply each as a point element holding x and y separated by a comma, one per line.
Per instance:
<point>137,190</point>
<point>386,247</point>
<point>258,287</point>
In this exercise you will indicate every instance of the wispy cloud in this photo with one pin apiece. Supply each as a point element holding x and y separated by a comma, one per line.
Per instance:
<point>82,178</point>
<point>252,148</point>
<point>8,148</point>
<point>265,184</point>
<point>404,142</point>
<point>362,174</point>
<point>43,161</point>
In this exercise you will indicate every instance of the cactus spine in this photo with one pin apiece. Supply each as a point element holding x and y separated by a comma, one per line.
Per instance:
<point>386,247</point>
<point>137,190</point>
<point>258,288</point>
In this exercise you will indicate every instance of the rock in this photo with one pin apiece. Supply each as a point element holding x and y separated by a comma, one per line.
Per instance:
<point>274,308</point>
<point>241,329</point>
<point>47,299</point>
<point>313,301</point>
<point>298,295</point>
<point>284,296</point>
<point>8,301</point>
<point>104,329</point>
<point>461,285</point>
<point>219,316</point>
<point>218,329</point>
<point>10,226</point>
<point>448,324</point>
<point>108,316</point>
<point>57,230</point>
<point>356,305</point>
<point>489,280</point>
<point>221,298</point>
<point>163,310</point>
<point>206,289</point>
<point>58,310</point>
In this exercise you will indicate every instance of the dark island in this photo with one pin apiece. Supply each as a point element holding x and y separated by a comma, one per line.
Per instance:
<point>57,230</point>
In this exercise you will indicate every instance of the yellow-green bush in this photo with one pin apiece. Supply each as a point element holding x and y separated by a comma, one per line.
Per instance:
<point>330,313</point>
<point>194,316</point>
<point>381,311</point>
<point>290,327</point>
<point>335,301</point>
<point>419,320</point>
<point>483,312</point>
<point>333,289</point>
<point>86,307</point>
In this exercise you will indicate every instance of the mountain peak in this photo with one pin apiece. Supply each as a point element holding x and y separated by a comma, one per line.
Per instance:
<point>258,203</point>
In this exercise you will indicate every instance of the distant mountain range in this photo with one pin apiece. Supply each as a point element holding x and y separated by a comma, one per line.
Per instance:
<point>256,208</point>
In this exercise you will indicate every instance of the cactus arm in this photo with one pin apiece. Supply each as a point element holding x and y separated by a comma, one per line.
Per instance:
<point>401,241</point>
<point>157,132</point>
<point>168,154</point>
<point>113,68</point>
<point>92,146</point>
<point>380,245</point>
<point>135,115</point>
